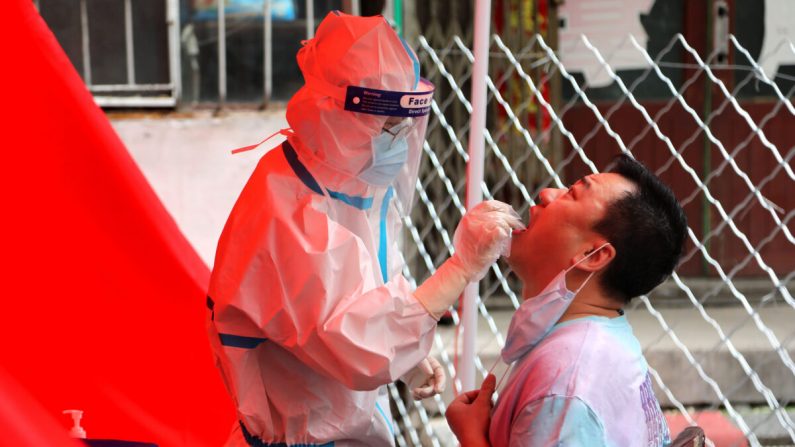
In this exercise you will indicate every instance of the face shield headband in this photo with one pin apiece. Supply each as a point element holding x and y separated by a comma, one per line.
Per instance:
<point>390,103</point>
<point>372,101</point>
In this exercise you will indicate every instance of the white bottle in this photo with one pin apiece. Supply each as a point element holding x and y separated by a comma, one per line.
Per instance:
<point>76,431</point>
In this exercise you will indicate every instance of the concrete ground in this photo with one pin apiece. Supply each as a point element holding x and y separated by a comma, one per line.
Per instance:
<point>187,160</point>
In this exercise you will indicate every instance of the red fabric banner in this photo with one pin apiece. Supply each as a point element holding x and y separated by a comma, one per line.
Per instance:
<point>103,301</point>
<point>23,421</point>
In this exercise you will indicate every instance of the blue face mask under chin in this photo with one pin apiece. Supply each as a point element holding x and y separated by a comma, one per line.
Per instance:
<point>389,156</point>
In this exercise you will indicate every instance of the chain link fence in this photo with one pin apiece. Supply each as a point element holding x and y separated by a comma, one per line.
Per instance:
<point>728,160</point>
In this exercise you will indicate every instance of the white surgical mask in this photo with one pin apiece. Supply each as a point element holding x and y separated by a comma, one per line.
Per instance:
<point>390,151</point>
<point>536,316</point>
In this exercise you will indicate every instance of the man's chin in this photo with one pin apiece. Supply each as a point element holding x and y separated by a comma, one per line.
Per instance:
<point>516,249</point>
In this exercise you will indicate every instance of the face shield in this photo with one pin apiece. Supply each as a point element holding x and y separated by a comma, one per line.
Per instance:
<point>397,150</point>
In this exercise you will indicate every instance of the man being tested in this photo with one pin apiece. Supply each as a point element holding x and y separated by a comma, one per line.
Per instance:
<point>578,376</point>
<point>309,313</point>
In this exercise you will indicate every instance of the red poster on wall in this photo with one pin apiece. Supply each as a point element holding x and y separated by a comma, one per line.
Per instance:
<point>517,24</point>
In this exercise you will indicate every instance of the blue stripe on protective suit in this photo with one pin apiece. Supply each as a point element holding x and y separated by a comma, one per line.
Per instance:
<point>299,169</point>
<point>240,341</point>
<point>382,243</point>
<point>414,61</point>
<point>362,203</point>
<point>254,441</point>
<point>388,422</point>
<point>235,341</point>
<point>306,177</point>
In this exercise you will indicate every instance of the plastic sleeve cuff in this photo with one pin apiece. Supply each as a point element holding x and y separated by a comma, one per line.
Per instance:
<point>427,309</point>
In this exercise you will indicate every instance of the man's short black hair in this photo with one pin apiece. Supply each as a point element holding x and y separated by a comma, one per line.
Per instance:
<point>647,228</point>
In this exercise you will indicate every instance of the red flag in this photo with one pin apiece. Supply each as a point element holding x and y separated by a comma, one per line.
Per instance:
<point>103,300</point>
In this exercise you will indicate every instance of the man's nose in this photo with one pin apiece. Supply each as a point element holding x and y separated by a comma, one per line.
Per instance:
<point>548,195</point>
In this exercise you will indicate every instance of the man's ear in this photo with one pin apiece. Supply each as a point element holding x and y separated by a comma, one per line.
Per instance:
<point>597,257</point>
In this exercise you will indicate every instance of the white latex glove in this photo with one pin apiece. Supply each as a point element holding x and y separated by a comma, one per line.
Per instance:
<point>425,379</point>
<point>483,234</point>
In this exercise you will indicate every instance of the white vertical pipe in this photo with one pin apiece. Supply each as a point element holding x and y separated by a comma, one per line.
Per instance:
<point>356,8</point>
<point>130,45</point>
<point>310,19</point>
<point>267,49</point>
<point>221,53</point>
<point>477,124</point>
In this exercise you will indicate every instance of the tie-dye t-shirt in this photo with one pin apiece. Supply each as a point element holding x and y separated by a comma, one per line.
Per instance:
<point>587,384</point>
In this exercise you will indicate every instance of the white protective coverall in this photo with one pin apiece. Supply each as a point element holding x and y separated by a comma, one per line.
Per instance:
<point>309,314</point>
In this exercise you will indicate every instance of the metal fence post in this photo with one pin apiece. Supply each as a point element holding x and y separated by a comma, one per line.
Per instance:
<point>174,49</point>
<point>86,48</point>
<point>129,47</point>
<point>221,54</point>
<point>267,54</point>
<point>310,19</point>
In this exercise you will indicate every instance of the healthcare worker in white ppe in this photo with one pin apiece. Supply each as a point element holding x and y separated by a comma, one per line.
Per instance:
<point>309,314</point>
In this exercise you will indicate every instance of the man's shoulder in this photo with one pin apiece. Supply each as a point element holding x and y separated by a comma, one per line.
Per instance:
<point>576,348</point>
<point>567,340</point>
<point>591,334</point>
<point>550,362</point>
